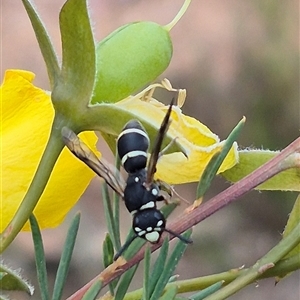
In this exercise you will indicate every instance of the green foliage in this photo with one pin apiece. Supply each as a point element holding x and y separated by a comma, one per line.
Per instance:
<point>215,163</point>
<point>250,160</point>
<point>64,263</point>
<point>11,280</point>
<point>67,82</point>
<point>65,259</point>
<point>40,260</point>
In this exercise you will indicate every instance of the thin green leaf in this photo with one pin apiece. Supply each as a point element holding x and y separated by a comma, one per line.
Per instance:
<point>108,212</point>
<point>216,161</point>
<point>45,43</point>
<point>93,291</point>
<point>12,281</point>
<point>159,265</point>
<point>293,220</point>
<point>208,291</point>
<point>40,260</point>
<point>170,266</point>
<point>173,278</point>
<point>125,282</point>
<point>147,260</point>
<point>108,257</point>
<point>108,251</point>
<point>116,207</point>
<point>250,160</point>
<point>170,293</point>
<point>116,214</point>
<point>78,49</point>
<point>65,259</point>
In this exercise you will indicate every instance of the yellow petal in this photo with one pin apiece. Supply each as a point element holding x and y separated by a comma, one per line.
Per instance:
<point>199,143</point>
<point>27,115</point>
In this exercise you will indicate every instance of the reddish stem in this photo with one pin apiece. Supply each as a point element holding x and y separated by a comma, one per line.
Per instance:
<point>187,220</point>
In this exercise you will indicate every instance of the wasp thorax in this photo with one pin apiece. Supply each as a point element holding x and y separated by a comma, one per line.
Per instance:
<point>136,195</point>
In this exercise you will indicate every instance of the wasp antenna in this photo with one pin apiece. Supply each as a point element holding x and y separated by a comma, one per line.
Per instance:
<point>182,238</point>
<point>157,145</point>
<point>124,247</point>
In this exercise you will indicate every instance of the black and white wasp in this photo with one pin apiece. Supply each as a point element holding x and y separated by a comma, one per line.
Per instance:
<point>140,191</point>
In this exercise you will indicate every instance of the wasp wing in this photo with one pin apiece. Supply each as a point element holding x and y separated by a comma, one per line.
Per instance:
<point>151,168</point>
<point>101,167</point>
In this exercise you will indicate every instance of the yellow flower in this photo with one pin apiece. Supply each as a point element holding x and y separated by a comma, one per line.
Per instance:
<point>27,115</point>
<point>198,142</point>
<point>26,118</point>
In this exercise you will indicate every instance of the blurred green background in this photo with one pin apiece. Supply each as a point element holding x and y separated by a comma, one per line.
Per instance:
<point>234,58</point>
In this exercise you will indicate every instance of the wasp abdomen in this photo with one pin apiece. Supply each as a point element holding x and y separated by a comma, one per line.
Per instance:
<point>133,144</point>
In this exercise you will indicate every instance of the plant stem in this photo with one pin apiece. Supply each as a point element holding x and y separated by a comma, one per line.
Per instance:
<point>195,284</point>
<point>195,215</point>
<point>262,265</point>
<point>36,188</point>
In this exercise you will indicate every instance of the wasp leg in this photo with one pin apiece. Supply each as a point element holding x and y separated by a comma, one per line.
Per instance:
<point>163,186</point>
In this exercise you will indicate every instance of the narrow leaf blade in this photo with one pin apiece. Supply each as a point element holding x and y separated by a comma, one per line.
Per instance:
<point>215,163</point>
<point>65,259</point>
<point>44,41</point>
<point>125,282</point>
<point>40,260</point>
<point>93,291</point>
<point>170,266</point>
<point>159,265</point>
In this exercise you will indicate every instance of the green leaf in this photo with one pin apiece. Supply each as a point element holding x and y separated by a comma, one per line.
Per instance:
<point>78,58</point>
<point>125,282</point>
<point>93,291</point>
<point>170,293</point>
<point>65,259</point>
<point>116,207</point>
<point>206,292</point>
<point>108,251</point>
<point>159,265</point>
<point>108,258</point>
<point>109,216</point>
<point>293,220</point>
<point>12,281</point>
<point>216,161</point>
<point>40,260</point>
<point>170,266</point>
<point>45,43</point>
<point>147,259</point>
<point>250,160</point>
